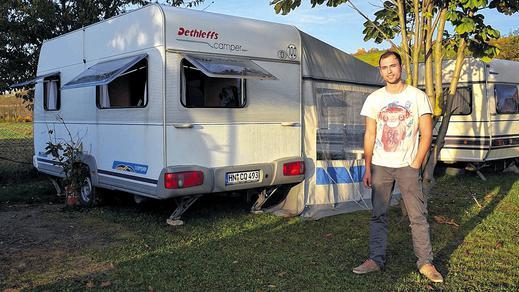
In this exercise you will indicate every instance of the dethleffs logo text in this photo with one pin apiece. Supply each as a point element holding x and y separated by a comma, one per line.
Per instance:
<point>198,33</point>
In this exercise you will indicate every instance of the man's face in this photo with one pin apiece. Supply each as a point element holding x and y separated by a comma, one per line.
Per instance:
<point>390,70</point>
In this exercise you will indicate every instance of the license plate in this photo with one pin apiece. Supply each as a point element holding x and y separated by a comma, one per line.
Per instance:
<point>232,178</point>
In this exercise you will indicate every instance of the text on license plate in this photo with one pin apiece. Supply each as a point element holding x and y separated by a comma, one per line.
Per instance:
<point>232,178</point>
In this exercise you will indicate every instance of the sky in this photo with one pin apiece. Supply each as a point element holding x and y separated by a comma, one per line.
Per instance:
<point>340,26</point>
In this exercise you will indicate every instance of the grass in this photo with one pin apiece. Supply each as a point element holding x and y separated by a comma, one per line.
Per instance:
<point>371,58</point>
<point>16,150</point>
<point>15,130</point>
<point>223,247</point>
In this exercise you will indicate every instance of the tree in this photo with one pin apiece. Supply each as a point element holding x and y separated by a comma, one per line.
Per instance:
<point>25,24</point>
<point>508,46</point>
<point>421,26</point>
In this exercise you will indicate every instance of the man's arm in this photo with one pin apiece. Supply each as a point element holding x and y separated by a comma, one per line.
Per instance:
<point>369,144</point>
<point>425,127</point>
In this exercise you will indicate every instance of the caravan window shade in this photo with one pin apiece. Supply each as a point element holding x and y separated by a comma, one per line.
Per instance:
<point>228,67</point>
<point>33,81</point>
<point>104,72</point>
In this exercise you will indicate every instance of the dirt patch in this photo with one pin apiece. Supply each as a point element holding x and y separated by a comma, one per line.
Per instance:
<point>39,239</point>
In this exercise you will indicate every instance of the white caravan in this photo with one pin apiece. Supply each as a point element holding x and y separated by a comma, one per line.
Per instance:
<point>484,125</point>
<point>175,103</point>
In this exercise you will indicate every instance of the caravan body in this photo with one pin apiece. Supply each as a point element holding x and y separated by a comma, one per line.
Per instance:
<point>174,102</point>
<point>170,102</point>
<point>484,125</point>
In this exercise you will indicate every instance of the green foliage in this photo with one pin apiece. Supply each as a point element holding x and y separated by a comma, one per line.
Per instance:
<point>26,24</point>
<point>387,16</point>
<point>508,47</point>
<point>507,7</point>
<point>285,6</point>
<point>462,14</point>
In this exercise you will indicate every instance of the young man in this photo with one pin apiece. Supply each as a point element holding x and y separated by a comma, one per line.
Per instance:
<point>394,151</point>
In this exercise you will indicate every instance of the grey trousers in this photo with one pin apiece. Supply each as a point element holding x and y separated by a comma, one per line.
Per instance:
<point>407,179</point>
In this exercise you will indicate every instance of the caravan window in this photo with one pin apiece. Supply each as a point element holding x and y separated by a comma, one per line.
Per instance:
<point>127,90</point>
<point>340,132</point>
<point>507,98</point>
<point>51,93</point>
<point>120,83</point>
<point>202,91</point>
<point>462,103</point>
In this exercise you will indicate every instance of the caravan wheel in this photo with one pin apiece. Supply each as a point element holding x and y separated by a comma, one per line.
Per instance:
<point>87,195</point>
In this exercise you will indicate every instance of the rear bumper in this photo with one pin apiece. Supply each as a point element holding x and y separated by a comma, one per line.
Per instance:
<point>214,178</point>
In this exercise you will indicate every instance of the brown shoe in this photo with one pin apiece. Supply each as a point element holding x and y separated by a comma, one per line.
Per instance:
<point>367,267</point>
<point>430,272</point>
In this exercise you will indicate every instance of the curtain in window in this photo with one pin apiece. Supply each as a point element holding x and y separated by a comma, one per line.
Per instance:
<point>104,97</point>
<point>52,94</point>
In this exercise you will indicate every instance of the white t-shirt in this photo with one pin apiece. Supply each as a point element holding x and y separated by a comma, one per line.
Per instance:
<point>397,115</point>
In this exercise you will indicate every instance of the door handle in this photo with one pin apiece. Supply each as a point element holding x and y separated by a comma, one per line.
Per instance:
<point>183,126</point>
<point>289,124</point>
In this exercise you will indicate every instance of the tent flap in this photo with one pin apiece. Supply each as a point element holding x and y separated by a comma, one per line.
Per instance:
<point>220,67</point>
<point>104,72</point>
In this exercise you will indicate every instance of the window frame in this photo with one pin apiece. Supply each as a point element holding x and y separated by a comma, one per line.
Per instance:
<point>183,91</point>
<point>471,101</point>
<point>496,99</point>
<point>44,82</point>
<point>145,104</point>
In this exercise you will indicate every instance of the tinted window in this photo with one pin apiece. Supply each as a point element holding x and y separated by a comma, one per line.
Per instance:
<point>507,98</point>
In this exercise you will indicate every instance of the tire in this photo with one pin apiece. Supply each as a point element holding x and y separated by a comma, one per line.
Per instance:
<point>87,195</point>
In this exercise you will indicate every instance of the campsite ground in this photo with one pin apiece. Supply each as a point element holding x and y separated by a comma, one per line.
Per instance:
<point>123,246</point>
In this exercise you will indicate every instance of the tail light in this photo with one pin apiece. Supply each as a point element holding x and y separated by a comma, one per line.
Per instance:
<point>186,179</point>
<point>294,168</point>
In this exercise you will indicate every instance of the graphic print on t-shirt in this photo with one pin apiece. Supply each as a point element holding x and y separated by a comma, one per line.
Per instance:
<point>395,125</point>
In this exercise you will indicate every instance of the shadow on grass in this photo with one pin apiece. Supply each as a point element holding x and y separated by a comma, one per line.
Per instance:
<point>468,188</point>
<point>223,247</point>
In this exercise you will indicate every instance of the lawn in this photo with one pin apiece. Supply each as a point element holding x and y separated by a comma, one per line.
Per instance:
<point>123,246</point>
<point>15,130</point>
<point>16,150</point>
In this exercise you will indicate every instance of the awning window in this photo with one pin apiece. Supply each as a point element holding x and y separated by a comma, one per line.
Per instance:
<point>104,72</point>
<point>33,81</point>
<point>221,67</point>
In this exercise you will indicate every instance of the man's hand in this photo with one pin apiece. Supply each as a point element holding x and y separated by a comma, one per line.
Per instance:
<point>367,179</point>
<point>415,165</point>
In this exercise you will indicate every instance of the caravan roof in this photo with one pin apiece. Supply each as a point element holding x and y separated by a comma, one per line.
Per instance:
<point>191,31</point>
<point>475,70</point>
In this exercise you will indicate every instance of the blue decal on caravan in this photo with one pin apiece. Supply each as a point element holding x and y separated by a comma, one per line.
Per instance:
<point>339,175</point>
<point>130,167</point>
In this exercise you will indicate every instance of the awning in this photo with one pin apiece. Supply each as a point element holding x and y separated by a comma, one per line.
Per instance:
<point>33,81</point>
<point>104,72</point>
<point>226,67</point>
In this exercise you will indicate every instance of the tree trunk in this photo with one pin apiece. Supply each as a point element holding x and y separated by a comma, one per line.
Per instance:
<point>438,62</point>
<point>405,40</point>
<point>428,171</point>
<point>442,132</point>
<point>417,41</point>
<point>429,89</point>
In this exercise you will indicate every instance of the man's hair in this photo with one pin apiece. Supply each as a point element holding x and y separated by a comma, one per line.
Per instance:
<point>391,53</point>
